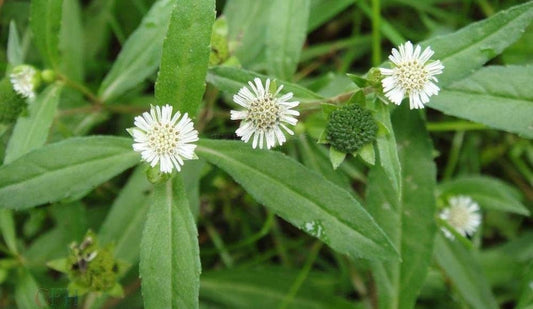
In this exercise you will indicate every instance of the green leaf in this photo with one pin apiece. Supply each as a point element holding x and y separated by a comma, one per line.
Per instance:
<point>322,11</point>
<point>266,288</point>
<point>31,132</point>
<point>367,154</point>
<point>71,41</point>
<point>489,192</point>
<point>45,22</point>
<point>73,166</point>
<point>14,49</point>
<point>468,49</point>
<point>140,55</point>
<point>336,157</point>
<point>170,257</point>
<point>302,197</point>
<point>181,78</point>
<point>124,223</point>
<point>28,295</point>
<point>232,79</point>
<point>247,24</point>
<point>7,226</point>
<point>285,35</point>
<point>500,97</point>
<point>386,144</point>
<point>407,218</point>
<point>461,266</point>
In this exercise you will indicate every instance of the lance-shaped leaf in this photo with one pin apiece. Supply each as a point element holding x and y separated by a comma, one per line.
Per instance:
<point>45,24</point>
<point>232,79</point>
<point>65,169</point>
<point>302,197</point>
<point>466,50</point>
<point>170,257</point>
<point>285,36</point>
<point>407,218</point>
<point>500,97</point>
<point>140,55</point>
<point>181,78</point>
<point>462,268</point>
<point>31,131</point>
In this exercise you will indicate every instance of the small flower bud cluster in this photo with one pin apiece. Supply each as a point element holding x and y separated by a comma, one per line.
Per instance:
<point>350,128</point>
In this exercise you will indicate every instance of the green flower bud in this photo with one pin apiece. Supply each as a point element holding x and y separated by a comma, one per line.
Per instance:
<point>48,76</point>
<point>219,42</point>
<point>350,127</point>
<point>11,104</point>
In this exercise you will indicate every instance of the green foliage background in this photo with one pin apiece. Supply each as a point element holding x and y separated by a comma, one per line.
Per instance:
<point>363,235</point>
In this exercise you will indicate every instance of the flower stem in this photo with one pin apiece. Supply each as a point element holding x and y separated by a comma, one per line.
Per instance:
<point>376,33</point>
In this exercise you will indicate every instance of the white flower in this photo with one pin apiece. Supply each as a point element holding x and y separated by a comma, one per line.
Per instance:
<point>265,114</point>
<point>462,215</point>
<point>165,139</point>
<point>411,76</point>
<point>24,79</point>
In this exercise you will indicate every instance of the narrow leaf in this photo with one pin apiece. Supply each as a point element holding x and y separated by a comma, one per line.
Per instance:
<point>266,288</point>
<point>74,166</point>
<point>31,132</point>
<point>322,11</point>
<point>500,97</point>
<point>232,79</point>
<point>14,49</point>
<point>7,227</point>
<point>140,55</point>
<point>285,36</point>
<point>71,41</point>
<point>45,22</point>
<point>468,49</point>
<point>124,223</point>
<point>27,292</point>
<point>461,267</point>
<point>181,79</point>
<point>489,192</point>
<point>408,219</point>
<point>302,197</point>
<point>170,257</point>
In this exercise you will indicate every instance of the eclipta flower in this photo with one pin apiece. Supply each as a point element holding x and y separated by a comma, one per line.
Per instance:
<point>411,76</point>
<point>25,79</point>
<point>462,214</point>
<point>265,114</point>
<point>165,139</point>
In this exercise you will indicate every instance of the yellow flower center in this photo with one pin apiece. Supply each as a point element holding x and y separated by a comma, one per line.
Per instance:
<point>411,75</point>
<point>459,217</point>
<point>163,139</point>
<point>264,113</point>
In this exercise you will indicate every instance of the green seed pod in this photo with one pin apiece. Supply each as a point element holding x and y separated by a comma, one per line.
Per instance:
<point>11,104</point>
<point>350,128</point>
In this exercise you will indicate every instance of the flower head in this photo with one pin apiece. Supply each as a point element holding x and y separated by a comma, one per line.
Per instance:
<point>265,114</point>
<point>462,214</point>
<point>25,79</point>
<point>350,127</point>
<point>165,139</point>
<point>411,76</point>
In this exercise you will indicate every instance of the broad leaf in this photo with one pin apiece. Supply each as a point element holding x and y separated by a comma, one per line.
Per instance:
<point>170,257</point>
<point>181,78</point>
<point>285,36</point>
<point>73,166</point>
<point>302,197</point>
<point>468,49</point>
<point>461,266</point>
<point>45,22</point>
<point>124,223</point>
<point>140,55</point>
<point>500,97</point>
<point>386,146</point>
<point>408,219</point>
<point>232,79</point>
<point>31,131</point>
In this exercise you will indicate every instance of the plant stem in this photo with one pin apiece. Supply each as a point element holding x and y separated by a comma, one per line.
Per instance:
<point>76,86</point>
